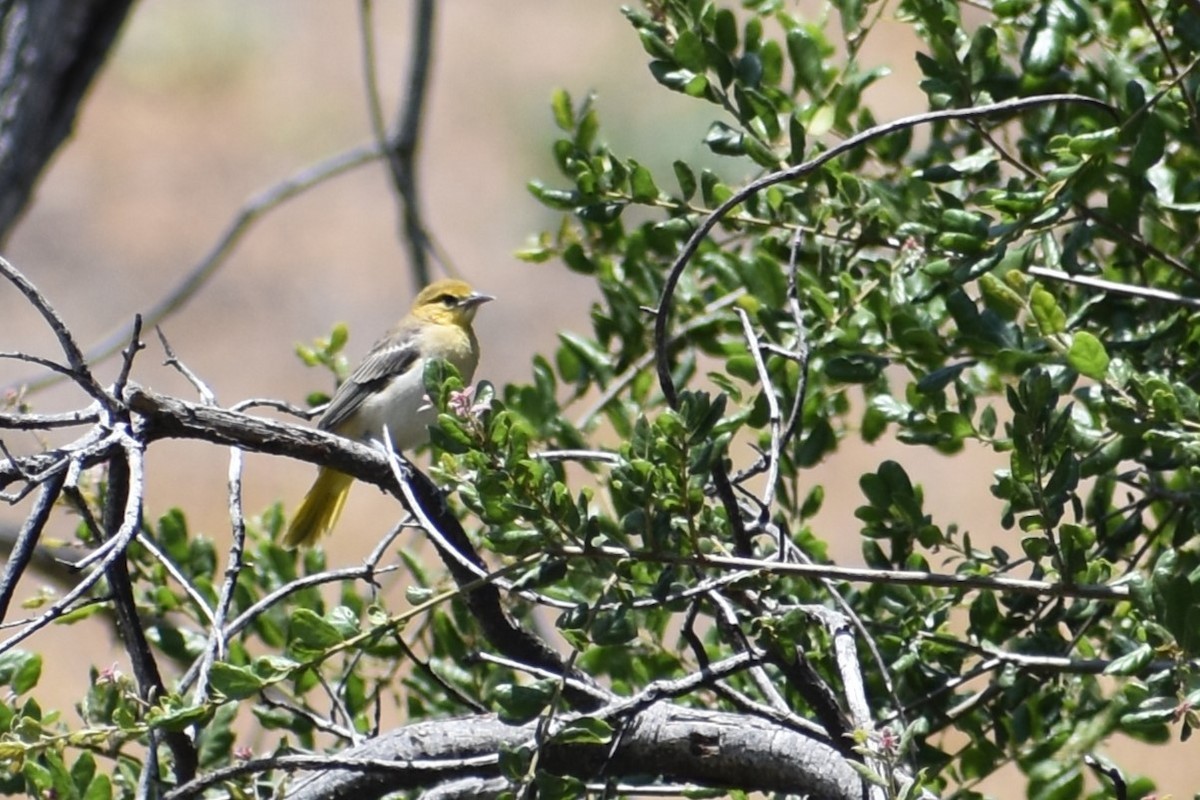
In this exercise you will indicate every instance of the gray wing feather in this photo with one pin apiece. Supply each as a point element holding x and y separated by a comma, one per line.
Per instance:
<point>390,356</point>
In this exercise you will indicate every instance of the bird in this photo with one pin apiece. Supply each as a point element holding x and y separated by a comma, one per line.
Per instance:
<point>388,389</point>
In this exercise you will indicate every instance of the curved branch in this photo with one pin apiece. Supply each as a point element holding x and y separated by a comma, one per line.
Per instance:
<point>663,313</point>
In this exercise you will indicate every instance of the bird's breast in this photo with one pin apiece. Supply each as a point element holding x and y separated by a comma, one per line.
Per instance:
<point>401,403</point>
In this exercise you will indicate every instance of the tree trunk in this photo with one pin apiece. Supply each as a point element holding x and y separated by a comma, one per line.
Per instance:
<point>50,50</point>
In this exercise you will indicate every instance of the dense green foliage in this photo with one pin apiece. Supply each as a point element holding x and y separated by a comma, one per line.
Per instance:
<point>929,285</point>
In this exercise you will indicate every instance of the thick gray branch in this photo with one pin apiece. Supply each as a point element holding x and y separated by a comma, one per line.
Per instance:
<point>678,744</point>
<point>50,51</point>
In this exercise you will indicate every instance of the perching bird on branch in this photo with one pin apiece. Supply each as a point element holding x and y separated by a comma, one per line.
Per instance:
<point>388,388</point>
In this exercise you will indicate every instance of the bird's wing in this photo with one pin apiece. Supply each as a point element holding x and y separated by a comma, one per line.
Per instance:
<point>392,355</point>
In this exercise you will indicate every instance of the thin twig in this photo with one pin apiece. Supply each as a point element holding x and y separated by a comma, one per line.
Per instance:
<point>128,354</point>
<point>112,549</point>
<point>582,456</point>
<point>783,718</point>
<point>207,396</point>
<point>1082,591</point>
<point>197,786</point>
<point>173,570</point>
<point>774,419</point>
<point>217,643</point>
<point>316,720</point>
<point>1115,287</point>
<point>451,691</point>
<point>599,692</point>
<point>60,370</point>
<point>1110,771</point>
<point>147,787</point>
<point>728,622</point>
<point>1163,48</point>
<point>78,368</point>
<point>366,32</point>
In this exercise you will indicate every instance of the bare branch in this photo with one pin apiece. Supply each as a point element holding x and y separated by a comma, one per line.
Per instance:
<point>77,365</point>
<point>27,540</point>
<point>43,422</point>
<point>1130,290</point>
<point>1111,593</point>
<point>123,512</point>
<point>401,147</point>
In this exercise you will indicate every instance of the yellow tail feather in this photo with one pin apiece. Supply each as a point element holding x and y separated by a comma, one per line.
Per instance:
<point>320,509</point>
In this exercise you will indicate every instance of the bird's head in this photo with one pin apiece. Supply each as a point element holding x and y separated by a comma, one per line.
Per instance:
<point>448,302</point>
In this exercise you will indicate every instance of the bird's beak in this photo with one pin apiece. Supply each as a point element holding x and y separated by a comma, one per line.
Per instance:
<point>476,299</point>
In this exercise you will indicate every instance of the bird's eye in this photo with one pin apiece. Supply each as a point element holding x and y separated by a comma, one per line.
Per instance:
<point>448,300</point>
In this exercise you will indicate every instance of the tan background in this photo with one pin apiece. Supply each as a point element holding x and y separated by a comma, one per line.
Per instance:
<point>206,104</point>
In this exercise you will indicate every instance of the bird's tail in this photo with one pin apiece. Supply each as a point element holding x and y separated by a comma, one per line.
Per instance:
<point>320,510</point>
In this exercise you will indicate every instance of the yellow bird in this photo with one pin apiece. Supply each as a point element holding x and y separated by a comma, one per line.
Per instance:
<point>388,389</point>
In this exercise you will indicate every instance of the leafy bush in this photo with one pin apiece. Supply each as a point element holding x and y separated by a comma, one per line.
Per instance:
<point>1012,268</point>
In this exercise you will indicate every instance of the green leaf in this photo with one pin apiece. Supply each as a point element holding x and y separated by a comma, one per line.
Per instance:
<point>338,338</point>
<point>1131,663</point>
<point>999,297</point>
<point>587,352</point>
<point>100,788</point>
<point>641,185</point>
<point>1087,356</point>
<point>601,213</point>
<point>1044,49</point>
<point>233,682</point>
<point>215,741</point>
<point>686,178</point>
<point>309,631</point>
<point>564,114</point>
<point>559,787</point>
<point>1149,147</point>
<point>1066,783</point>
<point>585,730</point>
<point>20,669</point>
<point>83,770</point>
<point>805,54</point>
<point>614,627</point>
<point>689,51</point>
<point>177,714</point>
<point>857,368</point>
<point>1087,144</point>
<point>519,704</point>
<point>724,140</point>
<point>797,139</point>
<point>345,620</point>
<point>1050,318</point>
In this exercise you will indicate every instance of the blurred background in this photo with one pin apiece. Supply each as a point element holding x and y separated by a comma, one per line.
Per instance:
<point>205,105</point>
